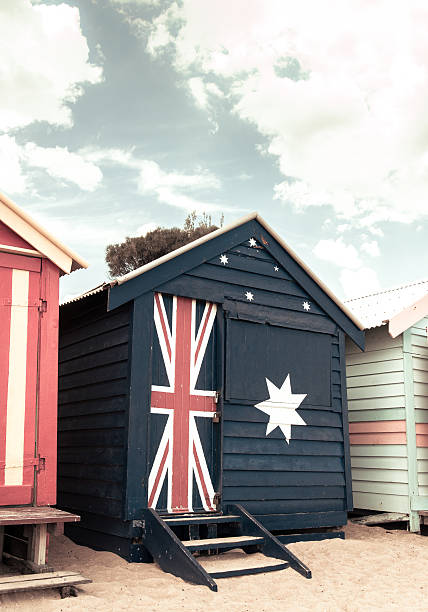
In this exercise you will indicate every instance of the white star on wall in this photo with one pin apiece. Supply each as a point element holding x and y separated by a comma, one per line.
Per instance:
<point>306,306</point>
<point>252,242</point>
<point>224,259</point>
<point>276,268</point>
<point>249,296</point>
<point>281,408</point>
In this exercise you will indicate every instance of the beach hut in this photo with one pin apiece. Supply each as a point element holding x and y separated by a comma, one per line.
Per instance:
<point>388,404</point>
<point>202,403</point>
<point>31,262</point>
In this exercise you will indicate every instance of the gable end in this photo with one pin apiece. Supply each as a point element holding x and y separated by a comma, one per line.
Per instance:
<point>190,260</point>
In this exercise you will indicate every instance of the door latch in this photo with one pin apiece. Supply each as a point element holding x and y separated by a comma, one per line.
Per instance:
<point>217,500</point>
<point>43,306</point>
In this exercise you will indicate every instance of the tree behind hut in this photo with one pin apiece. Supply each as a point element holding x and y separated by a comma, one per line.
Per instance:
<point>125,256</point>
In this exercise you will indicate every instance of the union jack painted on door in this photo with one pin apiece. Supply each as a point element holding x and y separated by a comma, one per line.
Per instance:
<point>183,407</point>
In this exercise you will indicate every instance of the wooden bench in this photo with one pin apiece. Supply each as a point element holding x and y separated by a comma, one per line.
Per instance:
<point>38,523</point>
<point>64,581</point>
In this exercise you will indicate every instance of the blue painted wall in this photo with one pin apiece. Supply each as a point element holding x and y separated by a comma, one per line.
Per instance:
<point>106,372</point>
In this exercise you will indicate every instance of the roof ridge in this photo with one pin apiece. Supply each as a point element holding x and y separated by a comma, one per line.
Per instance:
<point>222,230</point>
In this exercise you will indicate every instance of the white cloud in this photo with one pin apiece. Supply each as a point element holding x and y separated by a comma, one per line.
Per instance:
<point>342,102</point>
<point>143,2</point>
<point>17,163</point>
<point>198,91</point>
<point>371,247</point>
<point>338,253</point>
<point>356,278</point>
<point>12,177</point>
<point>376,231</point>
<point>202,92</point>
<point>61,163</point>
<point>359,282</point>
<point>170,187</point>
<point>144,229</point>
<point>44,62</point>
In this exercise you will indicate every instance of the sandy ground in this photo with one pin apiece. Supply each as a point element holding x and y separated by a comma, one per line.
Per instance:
<point>372,569</point>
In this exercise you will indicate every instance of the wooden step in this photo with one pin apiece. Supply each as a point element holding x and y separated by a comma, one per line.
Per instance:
<point>202,520</point>
<point>232,542</point>
<point>46,580</point>
<point>247,571</point>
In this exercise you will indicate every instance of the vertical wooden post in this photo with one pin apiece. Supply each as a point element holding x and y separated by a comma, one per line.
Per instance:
<point>39,544</point>
<point>140,359</point>
<point>345,424</point>
<point>409,399</point>
<point>48,387</point>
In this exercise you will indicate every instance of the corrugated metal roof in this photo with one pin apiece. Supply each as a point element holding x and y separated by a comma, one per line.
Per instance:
<point>77,298</point>
<point>378,308</point>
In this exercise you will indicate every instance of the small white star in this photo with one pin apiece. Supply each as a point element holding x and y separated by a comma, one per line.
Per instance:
<point>306,306</point>
<point>224,259</point>
<point>249,296</point>
<point>252,242</point>
<point>276,268</point>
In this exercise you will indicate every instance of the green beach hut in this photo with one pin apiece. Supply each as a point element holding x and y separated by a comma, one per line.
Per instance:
<point>387,389</point>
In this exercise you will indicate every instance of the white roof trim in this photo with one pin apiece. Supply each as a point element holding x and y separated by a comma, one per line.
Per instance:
<point>408,317</point>
<point>223,230</point>
<point>6,248</point>
<point>33,233</point>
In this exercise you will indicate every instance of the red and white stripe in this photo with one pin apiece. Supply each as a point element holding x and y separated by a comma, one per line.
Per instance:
<point>180,453</point>
<point>19,291</point>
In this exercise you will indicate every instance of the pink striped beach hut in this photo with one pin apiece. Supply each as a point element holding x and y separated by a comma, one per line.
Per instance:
<point>31,262</point>
<point>387,388</point>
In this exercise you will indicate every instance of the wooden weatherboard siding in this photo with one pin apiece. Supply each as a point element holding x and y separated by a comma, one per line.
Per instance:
<point>281,484</point>
<point>275,481</point>
<point>388,412</point>
<point>377,416</point>
<point>28,376</point>
<point>110,356</point>
<point>418,344</point>
<point>93,421</point>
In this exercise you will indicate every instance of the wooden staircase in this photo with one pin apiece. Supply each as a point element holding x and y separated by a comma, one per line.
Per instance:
<point>173,541</point>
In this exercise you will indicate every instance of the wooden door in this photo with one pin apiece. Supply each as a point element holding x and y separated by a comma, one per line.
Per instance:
<point>182,471</point>
<point>282,435</point>
<point>19,339</point>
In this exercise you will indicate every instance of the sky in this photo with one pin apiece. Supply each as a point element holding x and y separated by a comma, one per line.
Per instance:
<point>119,116</point>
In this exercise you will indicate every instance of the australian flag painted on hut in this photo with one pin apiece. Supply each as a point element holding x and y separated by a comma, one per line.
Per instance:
<point>217,377</point>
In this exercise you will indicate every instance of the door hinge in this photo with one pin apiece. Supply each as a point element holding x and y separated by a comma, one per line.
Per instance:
<point>43,306</point>
<point>217,500</point>
<point>216,397</point>
<point>39,463</point>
